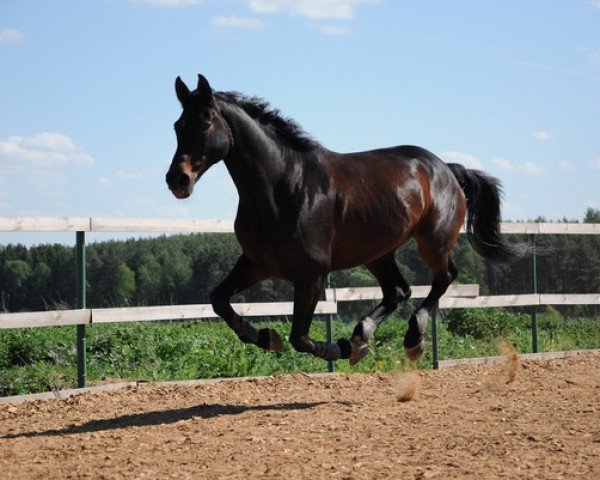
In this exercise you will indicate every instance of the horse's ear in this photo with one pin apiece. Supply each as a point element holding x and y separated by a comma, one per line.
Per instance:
<point>204,88</point>
<point>182,91</point>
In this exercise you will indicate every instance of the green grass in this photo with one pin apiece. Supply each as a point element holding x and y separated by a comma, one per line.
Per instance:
<point>43,359</point>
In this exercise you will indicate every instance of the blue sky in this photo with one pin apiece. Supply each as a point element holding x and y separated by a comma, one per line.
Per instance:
<point>87,101</point>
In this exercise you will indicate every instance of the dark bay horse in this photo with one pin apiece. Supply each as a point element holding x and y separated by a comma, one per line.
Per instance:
<point>305,211</point>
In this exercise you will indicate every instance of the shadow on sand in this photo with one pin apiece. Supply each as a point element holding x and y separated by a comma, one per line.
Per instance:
<point>165,417</point>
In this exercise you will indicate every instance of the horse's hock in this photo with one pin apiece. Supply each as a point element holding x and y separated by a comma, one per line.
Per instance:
<point>485,421</point>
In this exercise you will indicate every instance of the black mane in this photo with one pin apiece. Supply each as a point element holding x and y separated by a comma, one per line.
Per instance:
<point>260,110</point>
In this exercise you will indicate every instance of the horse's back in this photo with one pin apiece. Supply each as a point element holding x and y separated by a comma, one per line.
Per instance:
<point>399,168</point>
<point>387,196</point>
<point>405,162</point>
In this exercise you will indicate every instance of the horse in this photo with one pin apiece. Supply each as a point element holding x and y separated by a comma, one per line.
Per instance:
<point>305,211</point>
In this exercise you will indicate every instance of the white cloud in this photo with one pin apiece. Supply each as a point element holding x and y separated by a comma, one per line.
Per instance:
<point>120,176</point>
<point>594,164</point>
<point>511,211</point>
<point>47,164</point>
<point>334,30</point>
<point>541,136</point>
<point>42,179</point>
<point>105,182</point>
<point>465,159</point>
<point>503,163</point>
<point>531,168</point>
<point>43,150</point>
<point>594,56</point>
<point>52,142</point>
<point>130,175</point>
<point>169,3</point>
<point>10,36</point>
<point>6,208</point>
<point>3,187</point>
<point>594,4</point>
<point>315,9</point>
<point>565,166</point>
<point>237,22</point>
<point>558,70</point>
<point>526,167</point>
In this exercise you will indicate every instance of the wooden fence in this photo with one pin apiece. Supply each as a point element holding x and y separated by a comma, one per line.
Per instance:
<point>458,296</point>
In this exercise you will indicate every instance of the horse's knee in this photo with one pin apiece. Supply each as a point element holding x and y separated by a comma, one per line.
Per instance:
<point>394,297</point>
<point>302,344</point>
<point>391,303</point>
<point>402,294</point>
<point>219,302</point>
<point>442,280</point>
<point>453,271</point>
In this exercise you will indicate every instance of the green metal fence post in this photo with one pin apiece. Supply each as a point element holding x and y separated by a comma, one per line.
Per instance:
<point>80,302</point>
<point>329,327</point>
<point>434,337</point>
<point>534,289</point>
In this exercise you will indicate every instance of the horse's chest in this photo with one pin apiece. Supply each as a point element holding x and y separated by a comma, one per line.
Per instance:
<point>282,251</point>
<point>258,245</point>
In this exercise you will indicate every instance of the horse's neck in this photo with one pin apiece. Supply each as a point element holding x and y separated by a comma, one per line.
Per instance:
<point>255,162</point>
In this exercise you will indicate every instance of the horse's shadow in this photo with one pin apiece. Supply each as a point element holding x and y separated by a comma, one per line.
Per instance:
<point>164,417</point>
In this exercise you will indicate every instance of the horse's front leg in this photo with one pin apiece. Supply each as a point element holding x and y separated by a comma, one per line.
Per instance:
<point>245,273</point>
<point>306,295</point>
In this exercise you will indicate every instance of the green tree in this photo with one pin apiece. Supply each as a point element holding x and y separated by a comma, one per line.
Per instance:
<point>592,215</point>
<point>40,275</point>
<point>175,274</point>
<point>16,273</point>
<point>125,284</point>
<point>149,273</point>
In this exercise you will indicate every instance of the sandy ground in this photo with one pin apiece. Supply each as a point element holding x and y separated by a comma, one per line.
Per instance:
<point>519,419</point>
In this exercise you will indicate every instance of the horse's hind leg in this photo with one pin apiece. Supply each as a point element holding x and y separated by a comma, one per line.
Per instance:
<point>395,290</point>
<point>244,274</point>
<point>444,272</point>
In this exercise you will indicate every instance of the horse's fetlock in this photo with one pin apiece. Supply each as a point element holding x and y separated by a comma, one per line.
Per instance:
<point>345,347</point>
<point>302,344</point>
<point>365,329</point>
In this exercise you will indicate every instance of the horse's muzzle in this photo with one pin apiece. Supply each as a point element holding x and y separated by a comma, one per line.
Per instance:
<point>180,184</point>
<point>181,179</point>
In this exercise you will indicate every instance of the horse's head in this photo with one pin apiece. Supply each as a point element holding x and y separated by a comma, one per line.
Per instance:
<point>203,137</point>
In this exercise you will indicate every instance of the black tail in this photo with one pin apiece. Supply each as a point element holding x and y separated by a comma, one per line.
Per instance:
<point>483,216</point>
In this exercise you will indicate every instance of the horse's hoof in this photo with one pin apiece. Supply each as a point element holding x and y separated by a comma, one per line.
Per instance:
<point>275,342</point>
<point>360,349</point>
<point>413,353</point>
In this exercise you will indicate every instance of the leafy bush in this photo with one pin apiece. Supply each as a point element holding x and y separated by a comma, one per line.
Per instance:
<point>29,346</point>
<point>43,359</point>
<point>36,377</point>
<point>482,323</point>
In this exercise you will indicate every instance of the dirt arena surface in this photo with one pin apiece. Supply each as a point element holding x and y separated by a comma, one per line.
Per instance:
<point>519,419</point>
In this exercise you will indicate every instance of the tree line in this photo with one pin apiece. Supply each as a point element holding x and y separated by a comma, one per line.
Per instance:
<point>182,269</point>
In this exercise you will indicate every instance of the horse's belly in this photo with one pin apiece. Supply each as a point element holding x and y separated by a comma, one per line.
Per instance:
<point>284,255</point>
<point>364,245</point>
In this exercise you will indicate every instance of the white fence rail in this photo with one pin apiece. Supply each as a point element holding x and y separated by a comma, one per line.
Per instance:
<point>99,224</point>
<point>458,296</point>
<point>88,316</point>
